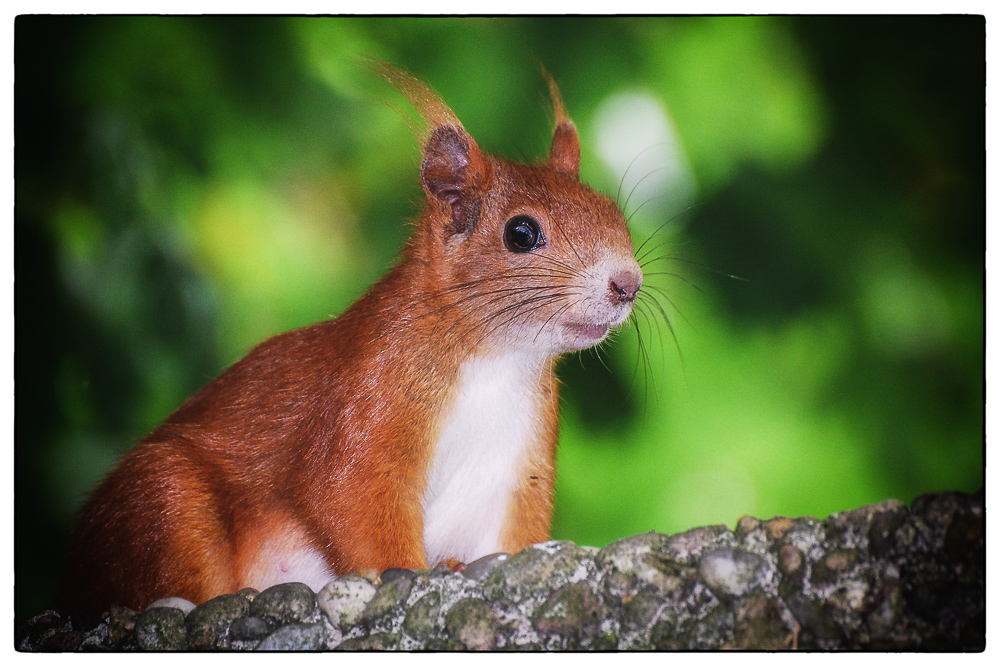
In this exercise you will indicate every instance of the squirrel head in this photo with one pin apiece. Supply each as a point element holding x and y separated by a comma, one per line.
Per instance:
<point>525,254</point>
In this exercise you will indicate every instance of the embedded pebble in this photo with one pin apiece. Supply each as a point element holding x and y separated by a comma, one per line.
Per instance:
<point>790,561</point>
<point>286,603</point>
<point>208,623</point>
<point>570,613</point>
<point>247,632</point>
<point>638,560</point>
<point>294,637</point>
<point>473,624</point>
<point>528,574</point>
<point>394,573</point>
<point>746,524</point>
<point>161,629</point>
<point>829,568</point>
<point>688,546</point>
<point>729,572</point>
<point>776,528</point>
<point>121,625</point>
<point>386,599</point>
<point>422,615</point>
<point>343,599</point>
<point>481,568</point>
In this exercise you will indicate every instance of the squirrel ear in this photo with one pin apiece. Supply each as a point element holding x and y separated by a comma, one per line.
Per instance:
<point>451,171</point>
<point>565,154</point>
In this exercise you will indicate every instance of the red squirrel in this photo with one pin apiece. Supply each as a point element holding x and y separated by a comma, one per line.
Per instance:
<point>418,427</point>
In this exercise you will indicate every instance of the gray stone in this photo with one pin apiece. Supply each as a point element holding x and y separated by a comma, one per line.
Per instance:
<point>96,639</point>
<point>121,625</point>
<point>746,525</point>
<point>286,603</point>
<point>688,546</point>
<point>208,623</point>
<point>246,632</point>
<point>791,562</point>
<point>641,609</point>
<point>664,635</point>
<point>386,600</point>
<point>569,614</point>
<point>543,567</point>
<point>714,631</point>
<point>629,564</point>
<point>161,629</point>
<point>295,637</point>
<point>394,573</point>
<point>343,599</point>
<point>833,565</point>
<point>472,624</point>
<point>481,568</point>
<point>729,572</point>
<point>422,616</point>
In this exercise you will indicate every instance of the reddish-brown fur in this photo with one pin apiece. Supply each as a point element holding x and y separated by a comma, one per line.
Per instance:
<point>322,437</point>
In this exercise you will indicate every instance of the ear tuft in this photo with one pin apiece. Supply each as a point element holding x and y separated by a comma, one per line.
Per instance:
<point>428,104</point>
<point>453,169</point>
<point>564,156</point>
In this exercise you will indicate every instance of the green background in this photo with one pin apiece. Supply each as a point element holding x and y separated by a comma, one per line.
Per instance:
<point>187,187</point>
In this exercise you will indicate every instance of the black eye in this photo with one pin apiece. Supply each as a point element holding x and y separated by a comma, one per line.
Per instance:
<point>522,234</point>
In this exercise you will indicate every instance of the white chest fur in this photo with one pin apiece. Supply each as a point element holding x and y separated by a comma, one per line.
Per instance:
<point>485,435</point>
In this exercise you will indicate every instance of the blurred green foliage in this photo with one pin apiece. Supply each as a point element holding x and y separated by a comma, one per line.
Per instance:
<point>187,187</point>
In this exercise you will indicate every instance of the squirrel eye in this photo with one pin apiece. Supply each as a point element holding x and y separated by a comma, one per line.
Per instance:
<point>522,234</point>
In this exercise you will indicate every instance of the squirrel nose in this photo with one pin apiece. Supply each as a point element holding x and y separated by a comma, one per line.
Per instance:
<point>625,285</point>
